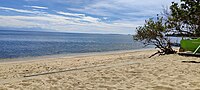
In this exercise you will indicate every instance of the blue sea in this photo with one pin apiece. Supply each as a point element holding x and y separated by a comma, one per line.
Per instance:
<point>16,44</point>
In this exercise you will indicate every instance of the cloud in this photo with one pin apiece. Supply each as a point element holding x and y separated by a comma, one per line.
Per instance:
<point>37,7</point>
<point>65,22</point>
<point>71,14</point>
<point>96,16</point>
<point>124,8</point>
<point>16,10</point>
<point>20,10</point>
<point>80,17</point>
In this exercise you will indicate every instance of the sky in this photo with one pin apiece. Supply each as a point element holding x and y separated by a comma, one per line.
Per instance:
<point>79,16</point>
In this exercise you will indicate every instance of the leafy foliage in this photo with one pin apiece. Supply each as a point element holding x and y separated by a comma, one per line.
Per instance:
<point>153,33</point>
<point>185,17</point>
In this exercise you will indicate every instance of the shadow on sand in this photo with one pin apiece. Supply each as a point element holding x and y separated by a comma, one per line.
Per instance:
<point>190,62</point>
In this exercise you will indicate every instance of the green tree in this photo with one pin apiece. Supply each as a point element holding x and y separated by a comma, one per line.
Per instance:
<point>185,17</point>
<point>152,33</point>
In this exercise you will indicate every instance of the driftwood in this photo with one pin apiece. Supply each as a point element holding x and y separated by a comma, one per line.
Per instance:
<point>163,53</point>
<point>155,54</point>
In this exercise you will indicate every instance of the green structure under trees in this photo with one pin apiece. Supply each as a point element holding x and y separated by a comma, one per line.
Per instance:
<point>183,17</point>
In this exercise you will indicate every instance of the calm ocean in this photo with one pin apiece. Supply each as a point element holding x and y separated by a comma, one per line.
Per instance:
<point>14,44</point>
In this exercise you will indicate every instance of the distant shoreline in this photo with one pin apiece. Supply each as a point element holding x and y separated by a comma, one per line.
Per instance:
<point>64,32</point>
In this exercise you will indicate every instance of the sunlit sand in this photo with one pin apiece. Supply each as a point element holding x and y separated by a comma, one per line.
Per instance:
<point>123,70</point>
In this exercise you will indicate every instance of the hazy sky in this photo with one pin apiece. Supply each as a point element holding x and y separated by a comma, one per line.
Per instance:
<point>85,16</point>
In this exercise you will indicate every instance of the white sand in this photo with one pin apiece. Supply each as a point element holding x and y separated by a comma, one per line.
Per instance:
<point>122,71</point>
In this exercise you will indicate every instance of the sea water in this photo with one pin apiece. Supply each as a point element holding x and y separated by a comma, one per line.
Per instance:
<point>15,44</point>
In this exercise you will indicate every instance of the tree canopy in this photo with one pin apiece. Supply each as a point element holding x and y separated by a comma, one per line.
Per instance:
<point>152,33</point>
<point>185,17</point>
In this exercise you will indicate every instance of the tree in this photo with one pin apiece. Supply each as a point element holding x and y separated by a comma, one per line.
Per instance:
<point>185,17</point>
<point>152,33</point>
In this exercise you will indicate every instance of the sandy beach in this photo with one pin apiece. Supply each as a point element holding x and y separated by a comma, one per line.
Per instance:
<point>114,71</point>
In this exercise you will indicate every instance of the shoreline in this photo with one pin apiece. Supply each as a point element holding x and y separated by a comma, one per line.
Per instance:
<point>71,55</point>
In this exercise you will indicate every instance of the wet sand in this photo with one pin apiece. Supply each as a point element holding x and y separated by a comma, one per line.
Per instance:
<point>131,70</point>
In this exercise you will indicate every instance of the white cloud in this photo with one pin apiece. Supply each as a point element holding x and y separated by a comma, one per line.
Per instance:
<point>37,7</point>
<point>118,16</point>
<point>64,22</point>
<point>71,14</point>
<point>120,8</point>
<point>20,10</point>
<point>16,10</point>
<point>80,17</point>
<point>105,18</point>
